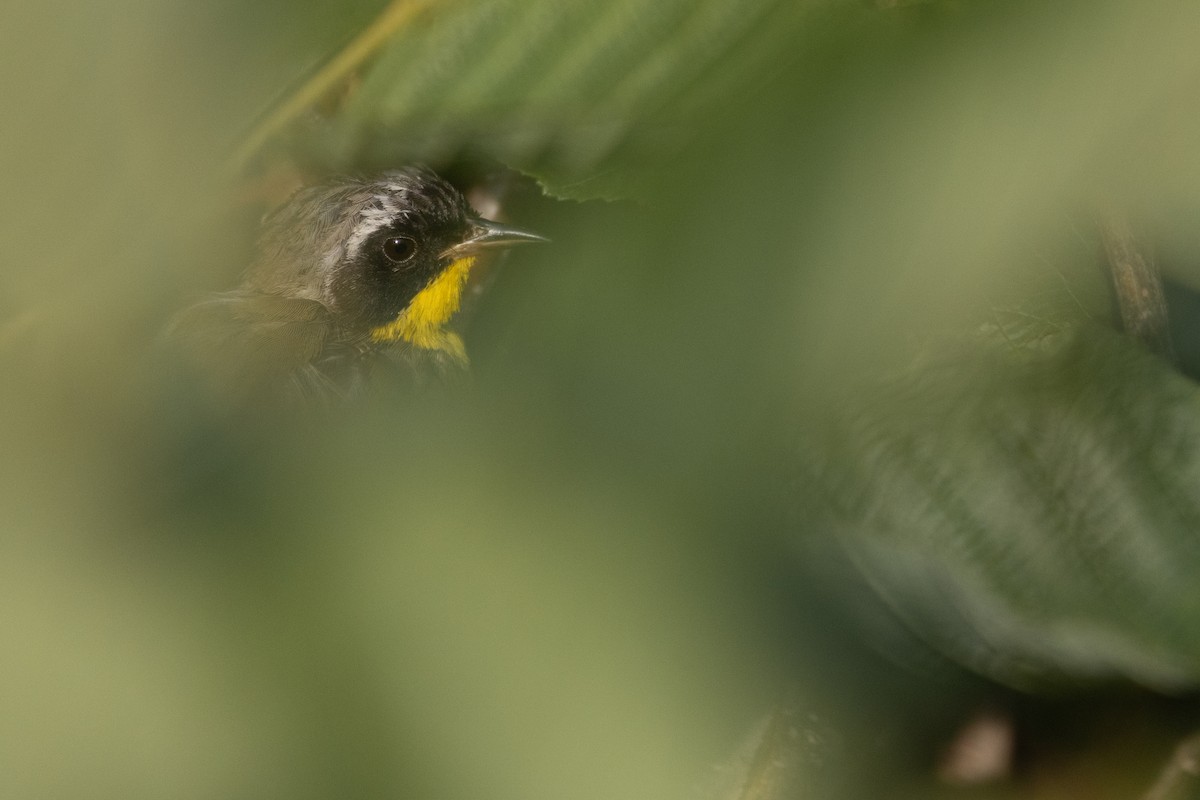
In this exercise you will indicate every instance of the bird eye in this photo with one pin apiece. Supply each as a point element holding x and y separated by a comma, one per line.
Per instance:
<point>400,248</point>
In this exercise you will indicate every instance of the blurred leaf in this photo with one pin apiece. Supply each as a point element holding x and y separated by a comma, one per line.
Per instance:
<point>558,88</point>
<point>337,70</point>
<point>1031,511</point>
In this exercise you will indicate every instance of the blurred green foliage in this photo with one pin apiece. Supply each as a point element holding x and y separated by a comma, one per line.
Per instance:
<point>572,580</point>
<point>1038,524</point>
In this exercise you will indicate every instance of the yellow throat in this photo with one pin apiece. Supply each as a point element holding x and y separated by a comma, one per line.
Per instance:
<point>420,323</point>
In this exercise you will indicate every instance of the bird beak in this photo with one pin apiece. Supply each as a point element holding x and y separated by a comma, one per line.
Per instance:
<point>486,235</point>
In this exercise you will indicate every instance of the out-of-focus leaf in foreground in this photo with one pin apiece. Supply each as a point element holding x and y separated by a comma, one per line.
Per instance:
<point>572,91</point>
<point>1030,511</point>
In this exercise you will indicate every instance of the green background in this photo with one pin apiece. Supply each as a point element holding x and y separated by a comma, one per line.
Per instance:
<point>590,574</point>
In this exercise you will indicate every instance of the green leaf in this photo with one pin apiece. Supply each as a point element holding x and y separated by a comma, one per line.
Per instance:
<point>561,88</point>
<point>1031,512</point>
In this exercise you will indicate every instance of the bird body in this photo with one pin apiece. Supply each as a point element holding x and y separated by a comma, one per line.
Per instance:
<point>346,273</point>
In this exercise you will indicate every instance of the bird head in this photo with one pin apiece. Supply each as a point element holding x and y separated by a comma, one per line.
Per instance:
<point>389,257</point>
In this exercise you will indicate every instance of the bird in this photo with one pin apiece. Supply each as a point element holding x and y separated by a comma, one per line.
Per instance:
<point>348,273</point>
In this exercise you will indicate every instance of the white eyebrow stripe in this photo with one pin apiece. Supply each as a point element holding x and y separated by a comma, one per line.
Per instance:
<point>382,212</point>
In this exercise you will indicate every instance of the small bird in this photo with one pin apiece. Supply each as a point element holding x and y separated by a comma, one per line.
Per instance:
<point>347,273</point>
